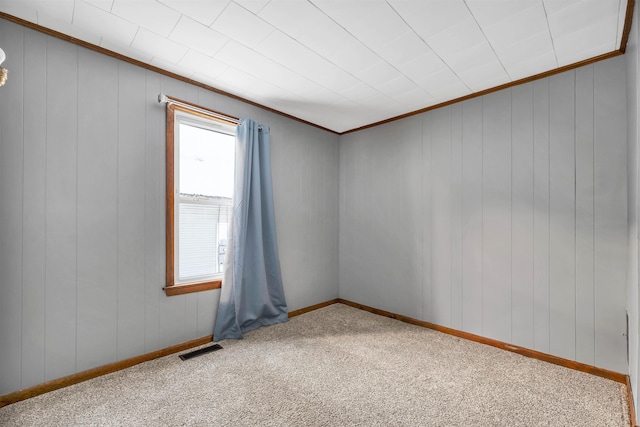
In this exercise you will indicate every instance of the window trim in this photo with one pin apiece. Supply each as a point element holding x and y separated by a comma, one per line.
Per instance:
<point>171,288</point>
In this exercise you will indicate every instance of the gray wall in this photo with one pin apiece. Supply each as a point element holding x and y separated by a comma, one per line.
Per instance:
<point>633,97</point>
<point>82,213</point>
<point>504,216</point>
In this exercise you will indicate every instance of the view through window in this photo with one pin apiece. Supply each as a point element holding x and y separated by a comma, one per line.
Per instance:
<point>203,166</point>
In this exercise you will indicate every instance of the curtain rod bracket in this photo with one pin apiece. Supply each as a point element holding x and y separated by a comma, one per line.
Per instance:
<point>164,99</point>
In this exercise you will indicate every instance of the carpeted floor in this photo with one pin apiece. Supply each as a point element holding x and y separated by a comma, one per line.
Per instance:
<point>337,366</point>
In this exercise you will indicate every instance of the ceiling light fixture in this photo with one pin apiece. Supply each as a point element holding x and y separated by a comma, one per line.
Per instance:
<point>3,71</point>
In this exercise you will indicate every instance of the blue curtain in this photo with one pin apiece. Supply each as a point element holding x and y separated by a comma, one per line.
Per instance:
<point>252,294</point>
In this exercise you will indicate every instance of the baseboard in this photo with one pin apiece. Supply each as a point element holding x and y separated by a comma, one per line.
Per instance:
<point>632,408</point>
<point>17,396</point>
<point>295,313</point>
<point>26,393</point>
<point>604,373</point>
<point>578,366</point>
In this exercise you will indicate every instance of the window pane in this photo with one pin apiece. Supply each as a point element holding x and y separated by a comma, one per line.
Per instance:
<point>206,162</point>
<point>205,187</point>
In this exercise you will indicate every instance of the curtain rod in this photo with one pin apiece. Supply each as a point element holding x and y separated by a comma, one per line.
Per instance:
<point>164,99</point>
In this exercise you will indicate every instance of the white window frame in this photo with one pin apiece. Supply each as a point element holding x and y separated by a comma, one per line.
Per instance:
<point>206,124</point>
<point>177,115</point>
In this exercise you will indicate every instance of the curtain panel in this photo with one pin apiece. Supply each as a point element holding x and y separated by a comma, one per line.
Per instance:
<point>252,293</point>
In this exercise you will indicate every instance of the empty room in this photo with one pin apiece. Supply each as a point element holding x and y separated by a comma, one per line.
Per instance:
<point>319,212</point>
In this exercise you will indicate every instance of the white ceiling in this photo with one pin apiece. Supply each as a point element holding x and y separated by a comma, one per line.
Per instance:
<point>341,64</point>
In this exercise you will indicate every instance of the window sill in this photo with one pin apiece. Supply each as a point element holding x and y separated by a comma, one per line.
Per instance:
<point>192,287</point>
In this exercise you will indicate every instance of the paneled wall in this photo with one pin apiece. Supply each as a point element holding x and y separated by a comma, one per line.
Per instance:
<point>82,214</point>
<point>633,303</point>
<point>504,215</point>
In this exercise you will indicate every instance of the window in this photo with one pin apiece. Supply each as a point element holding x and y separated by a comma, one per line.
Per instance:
<point>200,162</point>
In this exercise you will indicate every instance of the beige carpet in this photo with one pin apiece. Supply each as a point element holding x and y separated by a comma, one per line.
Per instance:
<point>337,366</point>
